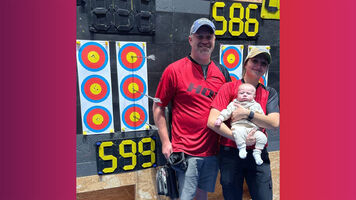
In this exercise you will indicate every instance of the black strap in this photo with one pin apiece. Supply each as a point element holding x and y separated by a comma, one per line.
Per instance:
<point>223,71</point>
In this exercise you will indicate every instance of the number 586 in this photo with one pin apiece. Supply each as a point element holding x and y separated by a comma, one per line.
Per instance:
<point>243,26</point>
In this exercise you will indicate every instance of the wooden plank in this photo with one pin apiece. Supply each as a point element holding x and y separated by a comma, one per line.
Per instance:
<point>122,193</point>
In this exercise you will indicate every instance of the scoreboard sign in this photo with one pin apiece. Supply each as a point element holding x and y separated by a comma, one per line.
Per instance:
<point>124,155</point>
<point>235,19</point>
<point>241,19</point>
<point>122,16</point>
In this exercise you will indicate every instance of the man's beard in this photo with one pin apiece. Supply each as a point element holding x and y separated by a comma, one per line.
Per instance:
<point>204,49</point>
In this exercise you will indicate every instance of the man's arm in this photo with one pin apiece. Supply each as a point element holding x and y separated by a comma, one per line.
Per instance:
<point>269,121</point>
<point>161,123</point>
<point>257,108</point>
<point>222,130</point>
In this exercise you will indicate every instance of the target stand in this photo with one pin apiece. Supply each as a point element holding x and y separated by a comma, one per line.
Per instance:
<point>132,78</point>
<point>94,79</point>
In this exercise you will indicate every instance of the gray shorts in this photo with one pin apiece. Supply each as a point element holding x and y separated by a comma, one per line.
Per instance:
<point>201,173</point>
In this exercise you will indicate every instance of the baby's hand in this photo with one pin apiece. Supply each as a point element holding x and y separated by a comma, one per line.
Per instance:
<point>218,122</point>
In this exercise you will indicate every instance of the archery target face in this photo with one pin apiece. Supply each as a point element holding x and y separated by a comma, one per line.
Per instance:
<point>263,80</point>
<point>132,82</point>
<point>231,58</point>
<point>131,57</point>
<point>134,116</point>
<point>97,119</point>
<point>93,56</point>
<point>94,81</point>
<point>133,87</point>
<point>234,77</point>
<point>95,88</point>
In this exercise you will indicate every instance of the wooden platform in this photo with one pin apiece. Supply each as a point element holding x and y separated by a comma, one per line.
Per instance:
<point>124,193</point>
<point>141,185</point>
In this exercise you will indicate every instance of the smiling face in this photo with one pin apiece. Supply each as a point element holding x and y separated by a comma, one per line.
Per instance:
<point>202,43</point>
<point>246,92</point>
<point>256,66</point>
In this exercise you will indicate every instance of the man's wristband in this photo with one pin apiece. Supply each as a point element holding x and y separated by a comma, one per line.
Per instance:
<point>251,115</point>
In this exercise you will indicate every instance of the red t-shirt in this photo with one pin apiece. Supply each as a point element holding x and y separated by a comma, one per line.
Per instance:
<point>191,93</point>
<point>227,93</point>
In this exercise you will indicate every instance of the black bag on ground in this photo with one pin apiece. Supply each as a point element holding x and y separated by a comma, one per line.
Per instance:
<point>167,182</point>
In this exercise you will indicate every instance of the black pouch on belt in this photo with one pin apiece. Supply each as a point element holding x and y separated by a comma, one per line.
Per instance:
<point>178,161</point>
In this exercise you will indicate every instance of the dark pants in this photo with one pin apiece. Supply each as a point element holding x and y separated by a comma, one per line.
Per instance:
<point>233,170</point>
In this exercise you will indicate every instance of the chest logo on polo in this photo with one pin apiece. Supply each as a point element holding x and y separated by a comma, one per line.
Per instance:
<point>198,89</point>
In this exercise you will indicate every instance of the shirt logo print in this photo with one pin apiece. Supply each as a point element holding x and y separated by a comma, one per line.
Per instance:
<point>202,91</point>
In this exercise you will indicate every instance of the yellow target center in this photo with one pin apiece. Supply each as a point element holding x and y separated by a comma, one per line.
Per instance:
<point>133,87</point>
<point>231,58</point>
<point>134,116</point>
<point>131,57</point>
<point>93,56</point>
<point>95,89</point>
<point>98,119</point>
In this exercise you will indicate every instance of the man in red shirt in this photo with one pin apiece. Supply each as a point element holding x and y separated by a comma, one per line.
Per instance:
<point>190,84</point>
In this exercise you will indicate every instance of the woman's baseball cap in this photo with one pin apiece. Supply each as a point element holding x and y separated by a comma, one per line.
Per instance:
<point>202,22</point>
<point>256,51</point>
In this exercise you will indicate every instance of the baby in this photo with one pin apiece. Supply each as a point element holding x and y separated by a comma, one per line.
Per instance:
<point>240,128</point>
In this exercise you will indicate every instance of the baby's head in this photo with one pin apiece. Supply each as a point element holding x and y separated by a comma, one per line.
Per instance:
<point>246,92</point>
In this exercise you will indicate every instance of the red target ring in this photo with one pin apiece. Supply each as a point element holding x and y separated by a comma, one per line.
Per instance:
<point>135,116</point>
<point>93,56</point>
<point>97,119</point>
<point>95,88</point>
<point>133,87</point>
<point>231,58</point>
<point>234,77</point>
<point>131,57</point>
<point>263,80</point>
